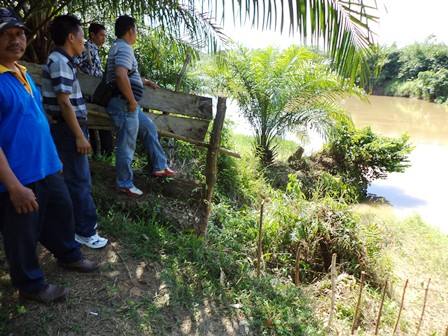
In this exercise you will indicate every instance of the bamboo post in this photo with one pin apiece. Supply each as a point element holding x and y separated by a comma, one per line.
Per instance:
<point>211,165</point>
<point>96,134</point>
<point>297,268</point>
<point>424,306</point>
<point>381,308</point>
<point>401,306</point>
<point>333,288</point>
<point>355,317</point>
<point>182,72</point>
<point>446,332</point>
<point>260,234</point>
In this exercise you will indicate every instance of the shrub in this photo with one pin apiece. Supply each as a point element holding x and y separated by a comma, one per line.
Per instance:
<point>359,156</point>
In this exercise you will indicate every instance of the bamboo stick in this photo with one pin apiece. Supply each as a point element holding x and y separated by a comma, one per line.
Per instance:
<point>260,232</point>
<point>358,303</point>
<point>181,137</point>
<point>423,309</point>
<point>297,268</point>
<point>401,306</point>
<point>381,309</point>
<point>333,288</point>
<point>198,143</point>
<point>182,72</point>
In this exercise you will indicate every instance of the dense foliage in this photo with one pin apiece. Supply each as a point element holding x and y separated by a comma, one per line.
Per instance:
<point>342,27</point>
<point>359,156</point>
<point>417,70</point>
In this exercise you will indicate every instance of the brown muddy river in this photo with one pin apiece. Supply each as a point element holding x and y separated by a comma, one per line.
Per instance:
<point>421,188</point>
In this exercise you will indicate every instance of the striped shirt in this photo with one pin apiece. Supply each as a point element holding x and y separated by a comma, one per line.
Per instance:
<point>89,61</point>
<point>122,54</point>
<point>59,76</point>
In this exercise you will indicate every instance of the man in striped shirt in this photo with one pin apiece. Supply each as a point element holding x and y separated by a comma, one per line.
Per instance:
<point>62,98</point>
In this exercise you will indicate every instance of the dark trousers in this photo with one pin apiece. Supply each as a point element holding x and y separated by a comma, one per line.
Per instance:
<point>76,172</point>
<point>52,225</point>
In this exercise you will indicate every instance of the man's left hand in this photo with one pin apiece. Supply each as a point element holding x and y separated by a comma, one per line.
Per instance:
<point>151,84</point>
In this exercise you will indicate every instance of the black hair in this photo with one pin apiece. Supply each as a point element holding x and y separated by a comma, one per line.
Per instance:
<point>95,28</point>
<point>123,24</point>
<point>62,26</point>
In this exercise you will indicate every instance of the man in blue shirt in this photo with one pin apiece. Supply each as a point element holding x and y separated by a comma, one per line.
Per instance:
<point>63,100</point>
<point>35,205</point>
<point>125,111</point>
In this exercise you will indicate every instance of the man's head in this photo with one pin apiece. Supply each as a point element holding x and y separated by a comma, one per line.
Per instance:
<point>9,19</point>
<point>97,33</point>
<point>66,32</point>
<point>126,28</point>
<point>12,37</point>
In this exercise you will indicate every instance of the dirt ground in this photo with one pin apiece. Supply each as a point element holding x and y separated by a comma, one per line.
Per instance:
<point>102,303</point>
<point>124,292</point>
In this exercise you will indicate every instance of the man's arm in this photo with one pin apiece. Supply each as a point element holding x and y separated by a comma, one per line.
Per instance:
<point>22,198</point>
<point>123,83</point>
<point>151,84</point>
<point>82,144</point>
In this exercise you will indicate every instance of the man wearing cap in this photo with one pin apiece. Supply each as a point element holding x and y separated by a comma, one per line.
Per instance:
<point>35,205</point>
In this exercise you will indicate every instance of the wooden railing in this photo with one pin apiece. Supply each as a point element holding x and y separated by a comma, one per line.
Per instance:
<point>177,115</point>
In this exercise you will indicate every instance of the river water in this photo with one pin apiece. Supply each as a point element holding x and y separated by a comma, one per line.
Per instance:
<point>421,188</point>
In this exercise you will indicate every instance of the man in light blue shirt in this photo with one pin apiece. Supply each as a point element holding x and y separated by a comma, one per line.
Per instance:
<point>125,111</point>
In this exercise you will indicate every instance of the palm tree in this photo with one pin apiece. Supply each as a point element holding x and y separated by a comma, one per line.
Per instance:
<point>278,91</point>
<point>341,26</point>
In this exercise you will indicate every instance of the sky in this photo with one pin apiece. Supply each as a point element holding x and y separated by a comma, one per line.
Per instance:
<point>401,21</point>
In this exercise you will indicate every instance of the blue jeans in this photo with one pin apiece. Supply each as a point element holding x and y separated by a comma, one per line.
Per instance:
<point>128,126</point>
<point>52,225</point>
<point>76,172</point>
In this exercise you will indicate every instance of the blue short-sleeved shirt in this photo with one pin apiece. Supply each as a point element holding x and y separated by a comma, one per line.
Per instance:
<point>59,76</point>
<point>122,54</point>
<point>24,130</point>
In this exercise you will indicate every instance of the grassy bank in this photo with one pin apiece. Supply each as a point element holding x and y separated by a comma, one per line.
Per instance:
<point>159,279</point>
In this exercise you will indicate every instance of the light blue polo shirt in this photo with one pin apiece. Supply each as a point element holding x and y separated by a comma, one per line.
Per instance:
<point>122,54</point>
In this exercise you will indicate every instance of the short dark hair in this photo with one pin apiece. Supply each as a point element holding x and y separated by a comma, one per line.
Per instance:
<point>62,26</point>
<point>95,28</point>
<point>123,24</point>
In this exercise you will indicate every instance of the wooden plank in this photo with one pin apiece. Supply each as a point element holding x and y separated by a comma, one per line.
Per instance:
<point>178,103</point>
<point>195,129</point>
<point>161,100</point>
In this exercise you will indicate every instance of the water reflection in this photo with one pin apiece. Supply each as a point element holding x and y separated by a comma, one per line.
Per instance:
<point>422,187</point>
<point>425,122</point>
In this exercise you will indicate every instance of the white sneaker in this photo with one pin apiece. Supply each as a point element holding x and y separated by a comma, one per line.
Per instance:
<point>94,241</point>
<point>133,192</point>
